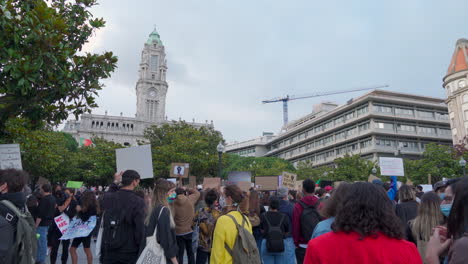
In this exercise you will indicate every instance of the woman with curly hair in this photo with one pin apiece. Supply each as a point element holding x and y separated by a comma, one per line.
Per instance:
<point>365,230</point>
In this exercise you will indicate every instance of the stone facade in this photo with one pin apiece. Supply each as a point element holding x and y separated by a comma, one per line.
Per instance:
<point>456,86</point>
<point>151,90</point>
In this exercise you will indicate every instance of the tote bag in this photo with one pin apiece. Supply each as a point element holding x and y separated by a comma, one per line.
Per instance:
<point>153,252</point>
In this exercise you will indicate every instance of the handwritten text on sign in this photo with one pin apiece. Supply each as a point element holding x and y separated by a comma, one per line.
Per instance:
<point>62,221</point>
<point>79,228</point>
<point>289,180</point>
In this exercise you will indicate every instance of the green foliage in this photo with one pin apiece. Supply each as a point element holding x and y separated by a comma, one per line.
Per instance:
<point>306,170</point>
<point>352,168</point>
<point>258,166</point>
<point>43,75</point>
<point>181,142</point>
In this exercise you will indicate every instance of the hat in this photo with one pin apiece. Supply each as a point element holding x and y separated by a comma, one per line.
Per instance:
<point>328,188</point>
<point>439,185</point>
<point>199,187</point>
<point>282,192</point>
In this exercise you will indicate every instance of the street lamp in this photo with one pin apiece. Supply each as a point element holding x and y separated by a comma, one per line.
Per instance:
<point>220,148</point>
<point>374,171</point>
<point>462,163</point>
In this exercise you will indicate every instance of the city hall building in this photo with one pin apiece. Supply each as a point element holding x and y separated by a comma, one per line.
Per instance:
<point>379,123</point>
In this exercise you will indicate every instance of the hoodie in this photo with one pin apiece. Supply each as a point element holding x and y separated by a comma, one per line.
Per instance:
<point>17,198</point>
<point>296,233</point>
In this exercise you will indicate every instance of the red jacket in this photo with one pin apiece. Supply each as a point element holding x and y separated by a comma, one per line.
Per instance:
<point>346,248</point>
<point>296,232</point>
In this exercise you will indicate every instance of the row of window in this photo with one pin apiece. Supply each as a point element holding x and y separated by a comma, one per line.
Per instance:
<point>324,126</point>
<point>112,125</point>
<point>245,151</point>
<point>402,144</point>
<point>398,110</point>
<point>412,128</point>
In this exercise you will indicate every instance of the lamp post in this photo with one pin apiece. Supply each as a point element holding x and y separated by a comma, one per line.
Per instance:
<point>462,163</point>
<point>220,148</point>
<point>374,171</point>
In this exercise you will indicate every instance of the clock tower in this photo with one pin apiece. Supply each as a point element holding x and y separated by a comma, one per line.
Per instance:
<point>151,87</point>
<point>456,87</point>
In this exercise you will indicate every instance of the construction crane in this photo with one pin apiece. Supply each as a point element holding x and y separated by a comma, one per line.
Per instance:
<point>288,98</point>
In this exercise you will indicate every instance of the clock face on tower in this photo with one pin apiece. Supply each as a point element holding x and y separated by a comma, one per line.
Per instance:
<point>152,93</point>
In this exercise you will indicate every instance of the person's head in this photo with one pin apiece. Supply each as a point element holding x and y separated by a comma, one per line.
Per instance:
<point>419,188</point>
<point>367,210</point>
<point>211,196</point>
<point>274,203</point>
<point>308,187</point>
<point>328,188</point>
<point>163,193</point>
<point>447,196</point>
<point>282,193</point>
<point>130,179</point>
<point>429,216</point>
<point>439,187</point>
<point>335,200</point>
<point>234,195</point>
<point>406,193</point>
<point>32,200</point>
<point>12,180</point>
<point>180,191</point>
<point>69,191</point>
<point>386,186</point>
<point>88,200</point>
<point>254,203</point>
<point>321,193</point>
<point>46,189</point>
<point>293,194</point>
<point>458,219</point>
<point>56,188</point>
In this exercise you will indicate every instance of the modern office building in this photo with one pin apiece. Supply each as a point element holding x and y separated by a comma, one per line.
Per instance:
<point>456,86</point>
<point>379,123</point>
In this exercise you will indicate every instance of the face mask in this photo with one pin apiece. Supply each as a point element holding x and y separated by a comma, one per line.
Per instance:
<point>222,201</point>
<point>445,208</point>
<point>442,196</point>
<point>171,198</point>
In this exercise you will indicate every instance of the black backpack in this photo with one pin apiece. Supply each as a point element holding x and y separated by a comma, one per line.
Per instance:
<point>116,231</point>
<point>275,236</point>
<point>309,219</point>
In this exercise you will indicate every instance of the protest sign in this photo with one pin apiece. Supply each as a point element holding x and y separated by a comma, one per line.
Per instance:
<point>79,228</point>
<point>136,158</point>
<point>74,184</point>
<point>210,183</point>
<point>10,157</point>
<point>289,180</point>
<point>299,185</point>
<point>180,170</point>
<point>239,176</point>
<point>192,181</point>
<point>62,221</point>
<point>267,183</point>
<point>391,166</point>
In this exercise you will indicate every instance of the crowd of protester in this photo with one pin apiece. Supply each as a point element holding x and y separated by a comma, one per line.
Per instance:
<point>361,222</point>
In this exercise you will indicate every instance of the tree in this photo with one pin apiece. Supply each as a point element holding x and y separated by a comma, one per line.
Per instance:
<point>306,170</point>
<point>182,142</point>
<point>352,168</point>
<point>43,77</point>
<point>258,166</point>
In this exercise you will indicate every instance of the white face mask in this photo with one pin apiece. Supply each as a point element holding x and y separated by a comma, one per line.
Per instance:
<point>222,201</point>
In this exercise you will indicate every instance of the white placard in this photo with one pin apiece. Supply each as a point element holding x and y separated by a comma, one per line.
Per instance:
<point>136,158</point>
<point>10,157</point>
<point>62,221</point>
<point>391,166</point>
<point>79,228</point>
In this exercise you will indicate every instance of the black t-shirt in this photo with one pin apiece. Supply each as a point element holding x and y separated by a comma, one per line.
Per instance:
<point>274,218</point>
<point>46,210</point>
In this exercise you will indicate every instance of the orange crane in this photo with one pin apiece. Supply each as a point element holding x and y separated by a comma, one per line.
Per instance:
<point>288,98</point>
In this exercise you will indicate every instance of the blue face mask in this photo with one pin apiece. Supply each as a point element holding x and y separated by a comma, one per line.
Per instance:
<point>442,196</point>
<point>171,198</point>
<point>445,208</point>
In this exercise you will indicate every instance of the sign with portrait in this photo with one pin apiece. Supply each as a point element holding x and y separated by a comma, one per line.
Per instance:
<point>180,170</point>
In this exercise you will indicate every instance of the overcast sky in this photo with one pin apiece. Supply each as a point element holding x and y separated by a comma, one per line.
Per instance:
<point>225,57</point>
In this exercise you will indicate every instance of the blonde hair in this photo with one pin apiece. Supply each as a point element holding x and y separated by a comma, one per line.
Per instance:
<point>159,197</point>
<point>406,193</point>
<point>429,216</point>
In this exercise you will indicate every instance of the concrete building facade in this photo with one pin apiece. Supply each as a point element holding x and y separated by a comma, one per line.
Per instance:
<point>376,124</point>
<point>456,85</point>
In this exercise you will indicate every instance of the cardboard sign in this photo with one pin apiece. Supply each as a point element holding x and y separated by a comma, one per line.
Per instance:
<point>391,166</point>
<point>192,181</point>
<point>371,178</point>
<point>136,158</point>
<point>210,183</point>
<point>42,181</point>
<point>10,157</point>
<point>267,183</point>
<point>239,176</point>
<point>299,185</point>
<point>62,221</point>
<point>74,184</point>
<point>79,228</point>
<point>289,180</point>
<point>244,186</point>
<point>180,170</point>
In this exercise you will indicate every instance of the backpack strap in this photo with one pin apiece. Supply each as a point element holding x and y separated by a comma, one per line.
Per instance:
<point>228,249</point>
<point>10,212</point>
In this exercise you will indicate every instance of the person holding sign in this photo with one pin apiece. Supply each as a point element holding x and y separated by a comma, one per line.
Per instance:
<point>88,207</point>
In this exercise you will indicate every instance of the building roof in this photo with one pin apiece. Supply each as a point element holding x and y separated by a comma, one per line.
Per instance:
<point>154,37</point>
<point>459,60</point>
